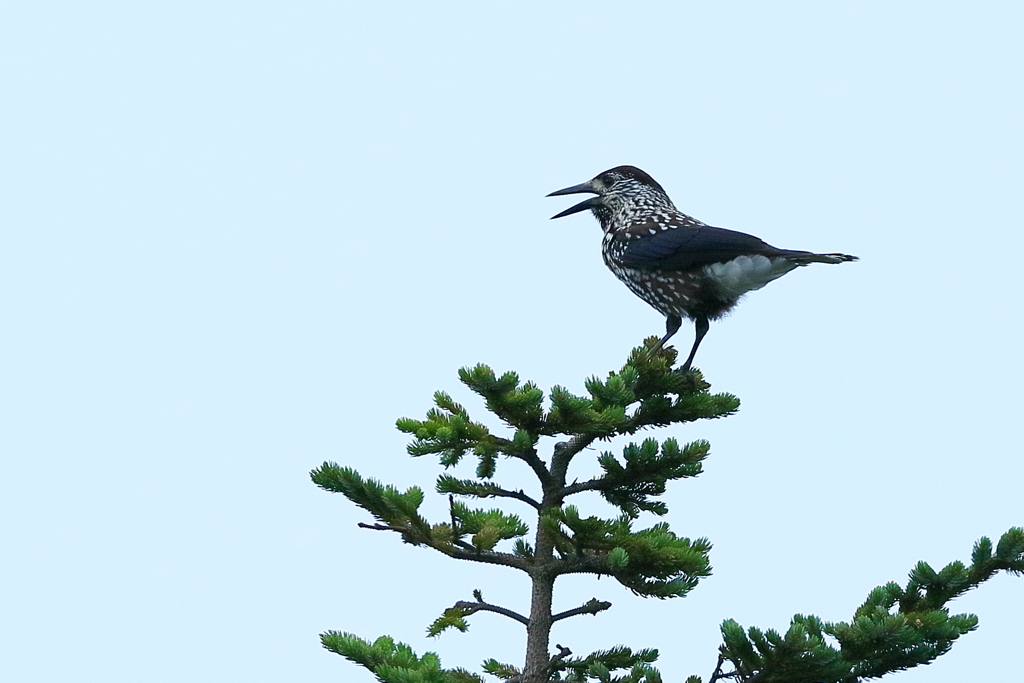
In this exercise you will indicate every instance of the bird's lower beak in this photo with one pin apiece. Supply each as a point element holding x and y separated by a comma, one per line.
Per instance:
<point>582,206</point>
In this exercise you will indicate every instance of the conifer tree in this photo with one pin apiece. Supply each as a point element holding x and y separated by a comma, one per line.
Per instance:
<point>896,628</point>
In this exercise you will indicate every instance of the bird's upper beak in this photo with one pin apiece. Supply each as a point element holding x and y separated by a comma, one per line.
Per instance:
<point>582,206</point>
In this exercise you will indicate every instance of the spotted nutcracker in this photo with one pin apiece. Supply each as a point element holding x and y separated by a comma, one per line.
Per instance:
<point>677,264</point>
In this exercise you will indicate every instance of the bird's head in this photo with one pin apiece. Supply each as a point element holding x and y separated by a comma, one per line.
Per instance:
<point>622,188</point>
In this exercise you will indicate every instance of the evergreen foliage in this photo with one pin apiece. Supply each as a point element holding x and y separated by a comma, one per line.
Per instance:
<point>895,629</point>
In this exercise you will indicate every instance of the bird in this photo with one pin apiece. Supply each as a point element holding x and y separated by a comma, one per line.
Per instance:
<point>681,266</point>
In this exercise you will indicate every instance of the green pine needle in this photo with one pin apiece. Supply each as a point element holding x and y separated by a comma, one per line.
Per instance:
<point>878,640</point>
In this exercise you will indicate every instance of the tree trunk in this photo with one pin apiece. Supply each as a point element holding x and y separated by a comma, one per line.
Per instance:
<point>538,633</point>
<point>542,576</point>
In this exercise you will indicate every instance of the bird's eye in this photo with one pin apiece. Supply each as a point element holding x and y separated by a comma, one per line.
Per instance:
<point>608,179</point>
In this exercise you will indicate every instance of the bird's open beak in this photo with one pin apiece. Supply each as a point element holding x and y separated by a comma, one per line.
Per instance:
<point>582,206</point>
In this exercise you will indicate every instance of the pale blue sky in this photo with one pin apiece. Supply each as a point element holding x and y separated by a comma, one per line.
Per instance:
<point>240,239</point>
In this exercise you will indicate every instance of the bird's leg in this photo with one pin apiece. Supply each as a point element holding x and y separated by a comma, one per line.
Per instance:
<point>702,326</point>
<point>672,324</point>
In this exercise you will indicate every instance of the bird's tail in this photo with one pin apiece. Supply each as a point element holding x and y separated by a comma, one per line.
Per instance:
<point>803,258</point>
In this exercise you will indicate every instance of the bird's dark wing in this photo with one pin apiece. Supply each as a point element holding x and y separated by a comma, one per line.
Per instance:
<point>690,246</point>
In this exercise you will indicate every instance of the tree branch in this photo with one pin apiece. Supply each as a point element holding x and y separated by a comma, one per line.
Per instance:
<point>463,553</point>
<point>718,675</point>
<point>536,464</point>
<point>564,452</point>
<point>589,485</point>
<point>481,606</point>
<point>563,652</point>
<point>379,527</point>
<point>451,512</point>
<point>582,564</point>
<point>592,606</point>
<point>518,495</point>
<point>493,491</point>
<point>456,529</point>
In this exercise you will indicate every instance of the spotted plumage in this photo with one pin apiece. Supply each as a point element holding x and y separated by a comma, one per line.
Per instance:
<point>682,267</point>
